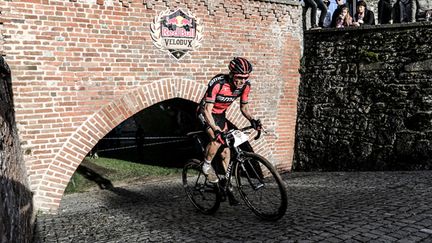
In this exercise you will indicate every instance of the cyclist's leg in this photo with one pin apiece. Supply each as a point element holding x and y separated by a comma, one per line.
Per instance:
<point>207,168</point>
<point>226,156</point>
<point>220,120</point>
<point>212,147</point>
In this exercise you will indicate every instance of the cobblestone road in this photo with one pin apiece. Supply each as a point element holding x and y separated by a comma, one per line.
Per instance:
<point>323,207</point>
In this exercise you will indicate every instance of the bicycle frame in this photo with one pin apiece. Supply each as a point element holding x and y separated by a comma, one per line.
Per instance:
<point>236,158</point>
<point>228,174</point>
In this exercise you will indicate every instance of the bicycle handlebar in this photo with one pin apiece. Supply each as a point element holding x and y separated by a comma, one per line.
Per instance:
<point>258,134</point>
<point>251,127</point>
<point>248,128</point>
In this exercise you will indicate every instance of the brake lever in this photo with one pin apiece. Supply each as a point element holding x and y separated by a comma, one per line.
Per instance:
<point>258,135</point>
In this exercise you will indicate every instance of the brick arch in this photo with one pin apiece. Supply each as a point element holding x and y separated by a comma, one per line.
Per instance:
<point>50,189</point>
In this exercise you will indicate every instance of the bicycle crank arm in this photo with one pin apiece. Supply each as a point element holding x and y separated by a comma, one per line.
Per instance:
<point>258,186</point>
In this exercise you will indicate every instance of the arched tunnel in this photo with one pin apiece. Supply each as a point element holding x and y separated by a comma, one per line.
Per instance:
<point>156,136</point>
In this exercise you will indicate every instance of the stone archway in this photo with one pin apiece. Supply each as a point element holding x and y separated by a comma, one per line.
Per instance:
<point>50,189</point>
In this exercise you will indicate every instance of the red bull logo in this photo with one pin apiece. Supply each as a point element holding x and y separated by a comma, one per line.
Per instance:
<point>177,32</point>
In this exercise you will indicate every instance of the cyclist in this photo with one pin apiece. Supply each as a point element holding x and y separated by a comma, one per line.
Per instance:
<point>222,90</point>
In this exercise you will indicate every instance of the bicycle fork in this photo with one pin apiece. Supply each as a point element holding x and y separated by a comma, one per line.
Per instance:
<point>255,186</point>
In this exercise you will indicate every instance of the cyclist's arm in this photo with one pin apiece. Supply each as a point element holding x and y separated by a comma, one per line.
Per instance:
<point>244,108</point>
<point>208,107</point>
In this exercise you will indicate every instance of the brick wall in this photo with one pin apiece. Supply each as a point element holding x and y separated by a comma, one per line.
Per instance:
<point>365,99</point>
<point>79,68</point>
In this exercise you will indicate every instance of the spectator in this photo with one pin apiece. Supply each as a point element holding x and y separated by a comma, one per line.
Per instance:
<point>386,11</point>
<point>422,10</point>
<point>327,19</point>
<point>363,16</point>
<point>314,5</point>
<point>337,12</point>
<point>403,11</point>
<point>344,19</point>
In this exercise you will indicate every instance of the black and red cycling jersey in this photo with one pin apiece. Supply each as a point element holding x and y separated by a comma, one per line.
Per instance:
<point>222,94</point>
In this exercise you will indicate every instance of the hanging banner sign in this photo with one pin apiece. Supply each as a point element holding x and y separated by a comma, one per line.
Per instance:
<point>177,32</point>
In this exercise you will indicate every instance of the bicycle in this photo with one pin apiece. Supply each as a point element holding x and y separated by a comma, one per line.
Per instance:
<point>257,181</point>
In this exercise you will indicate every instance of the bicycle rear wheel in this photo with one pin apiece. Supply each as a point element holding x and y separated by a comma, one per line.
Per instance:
<point>204,195</point>
<point>261,187</point>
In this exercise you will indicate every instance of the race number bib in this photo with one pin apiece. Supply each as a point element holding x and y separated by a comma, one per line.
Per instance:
<point>239,138</point>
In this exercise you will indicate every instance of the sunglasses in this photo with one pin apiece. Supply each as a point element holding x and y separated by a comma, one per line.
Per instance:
<point>241,77</point>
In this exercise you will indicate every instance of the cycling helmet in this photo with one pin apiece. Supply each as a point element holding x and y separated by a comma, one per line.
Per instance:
<point>240,66</point>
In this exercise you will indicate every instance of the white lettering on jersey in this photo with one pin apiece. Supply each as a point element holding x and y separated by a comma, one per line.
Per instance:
<point>225,98</point>
<point>211,83</point>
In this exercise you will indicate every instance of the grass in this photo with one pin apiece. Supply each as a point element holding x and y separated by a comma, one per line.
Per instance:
<point>94,172</point>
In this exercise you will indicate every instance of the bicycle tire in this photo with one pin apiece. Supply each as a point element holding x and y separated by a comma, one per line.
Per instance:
<point>261,187</point>
<point>205,196</point>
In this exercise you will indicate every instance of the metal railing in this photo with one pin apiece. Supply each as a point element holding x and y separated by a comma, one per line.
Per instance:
<point>139,141</point>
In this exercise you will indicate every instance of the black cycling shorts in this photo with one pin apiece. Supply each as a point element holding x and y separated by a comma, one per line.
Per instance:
<point>220,121</point>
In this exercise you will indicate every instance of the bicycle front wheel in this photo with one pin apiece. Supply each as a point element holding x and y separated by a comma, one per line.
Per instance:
<point>204,195</point>
<point>261,187</point>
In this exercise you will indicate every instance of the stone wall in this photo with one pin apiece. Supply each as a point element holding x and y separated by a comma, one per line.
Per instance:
<point>365,100</point>
<point>16,207</point>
